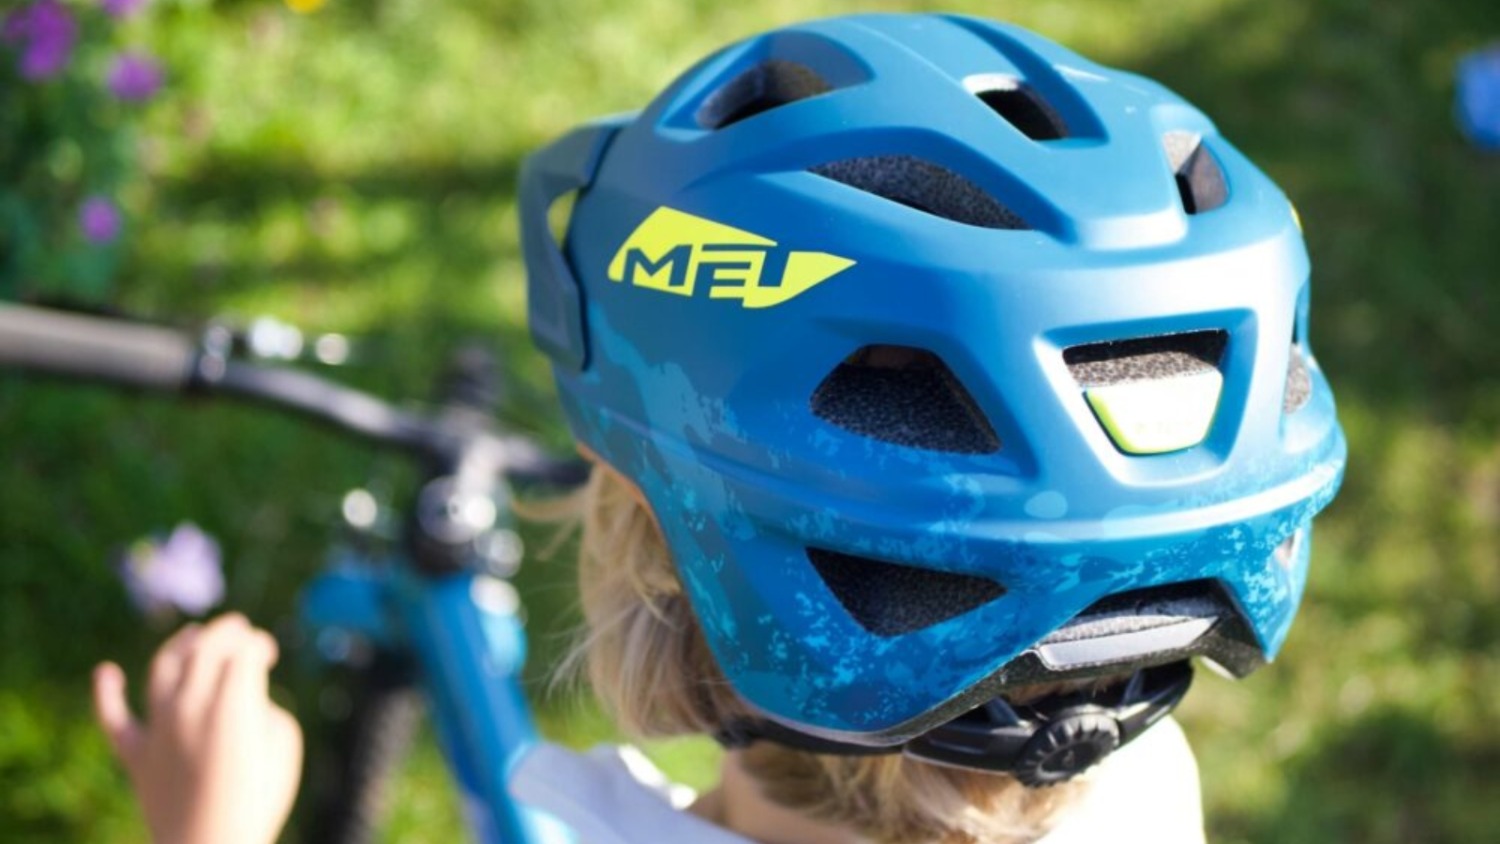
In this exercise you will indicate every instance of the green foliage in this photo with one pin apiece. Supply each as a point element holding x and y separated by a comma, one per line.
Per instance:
<point>63,139</point>
<point>354,170</point>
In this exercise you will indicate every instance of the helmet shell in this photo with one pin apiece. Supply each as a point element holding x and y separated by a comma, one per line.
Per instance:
<point>703,398</point>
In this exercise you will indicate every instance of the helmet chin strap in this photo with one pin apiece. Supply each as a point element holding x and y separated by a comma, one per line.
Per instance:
<point>1042,742</point>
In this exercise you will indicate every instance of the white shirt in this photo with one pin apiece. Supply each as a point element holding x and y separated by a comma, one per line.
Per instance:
<point>1145,792</point>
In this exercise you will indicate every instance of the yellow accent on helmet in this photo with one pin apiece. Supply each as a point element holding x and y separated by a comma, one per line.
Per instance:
<point>1155,417</point>
<point>672,251</point>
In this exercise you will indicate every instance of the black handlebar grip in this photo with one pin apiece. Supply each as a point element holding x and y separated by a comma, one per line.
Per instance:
<point>99,348</point>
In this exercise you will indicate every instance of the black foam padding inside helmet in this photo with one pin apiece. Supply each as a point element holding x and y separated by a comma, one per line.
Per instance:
<point>1144,609</point>
<point>1145,358</point>
<point>922,185</point>
<point>1024,109</point>
<point>759,89</point>
<point>904,396</point>
<point>1298,382</point>
<point>889,599</point>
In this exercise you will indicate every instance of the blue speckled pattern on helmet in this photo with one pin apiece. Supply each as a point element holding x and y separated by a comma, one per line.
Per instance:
<point>706,403</point>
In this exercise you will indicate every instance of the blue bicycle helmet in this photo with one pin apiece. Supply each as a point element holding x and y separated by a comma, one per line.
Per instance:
<point>951,362</point>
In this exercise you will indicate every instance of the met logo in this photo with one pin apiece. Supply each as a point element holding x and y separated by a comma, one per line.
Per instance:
<point>672,251</point>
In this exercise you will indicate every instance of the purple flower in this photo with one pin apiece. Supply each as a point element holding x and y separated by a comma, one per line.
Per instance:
<point>121,9</point>
<point>134,77</point>
<point>45,32</point>
<point>99,219</point>
<point>181,573</point>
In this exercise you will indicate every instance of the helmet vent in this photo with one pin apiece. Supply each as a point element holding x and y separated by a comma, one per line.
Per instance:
<point>889,599</point>
<point>560,217</point>
<point>904,396</point>
<point>1145,358</point>
<point>759,89</point>
<point>1149,604</point>
<point>1020,105</point>
<point>1298,381</point>
<point>927,187</point>
<point>1200,182</point>
<point>1286,552</point>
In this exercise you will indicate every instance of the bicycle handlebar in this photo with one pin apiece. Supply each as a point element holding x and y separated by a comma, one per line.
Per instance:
<point>115,351</point>
<point>325,401</point>
<point>94,347</point>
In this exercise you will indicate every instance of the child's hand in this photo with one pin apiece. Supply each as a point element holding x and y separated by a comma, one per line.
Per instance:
<point>216,762</point>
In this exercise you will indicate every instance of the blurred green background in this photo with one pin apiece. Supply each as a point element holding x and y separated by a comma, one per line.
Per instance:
<point>354,170</point>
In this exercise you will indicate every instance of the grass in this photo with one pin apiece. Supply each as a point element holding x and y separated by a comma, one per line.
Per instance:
<point>354,170</point>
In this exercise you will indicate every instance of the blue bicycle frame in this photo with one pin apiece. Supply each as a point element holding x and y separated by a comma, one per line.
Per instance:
<point>463,631</point>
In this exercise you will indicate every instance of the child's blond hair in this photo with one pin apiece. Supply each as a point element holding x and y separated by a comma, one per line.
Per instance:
<point>651,668</point>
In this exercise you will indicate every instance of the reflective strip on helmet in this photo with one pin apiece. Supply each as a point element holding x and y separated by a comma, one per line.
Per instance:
<point>1154,417</point>
<point>1123,647</point>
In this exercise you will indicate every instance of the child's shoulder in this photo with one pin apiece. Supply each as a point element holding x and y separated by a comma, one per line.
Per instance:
<point>1146,791</point>
<point>612,794</point>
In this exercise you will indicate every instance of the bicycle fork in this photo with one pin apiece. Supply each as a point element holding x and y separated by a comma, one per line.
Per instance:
<point>462,633</point>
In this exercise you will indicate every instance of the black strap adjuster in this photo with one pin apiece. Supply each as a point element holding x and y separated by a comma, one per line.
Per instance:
<point>1040,743</point>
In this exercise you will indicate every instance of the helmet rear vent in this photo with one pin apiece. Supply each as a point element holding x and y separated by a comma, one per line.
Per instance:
<point>1020,105</point>
<point>889,599</point>
<point>1152,395</point>
<point>1200,182</point>
<point>927,187</point>
<point>1298,381</point>
<point>904,396</point>
<point>759,89</point>
<point>1145,358</point>
<point>1192,597</point>
<point>1286,552</point>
